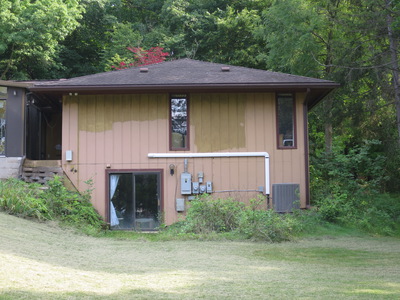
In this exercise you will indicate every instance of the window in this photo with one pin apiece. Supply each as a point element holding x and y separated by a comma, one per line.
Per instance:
<point>179,123</point>
<point>286,121</point>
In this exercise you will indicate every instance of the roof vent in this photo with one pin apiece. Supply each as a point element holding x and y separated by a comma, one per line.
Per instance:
<point>144,70</point>
<point>225,69</point>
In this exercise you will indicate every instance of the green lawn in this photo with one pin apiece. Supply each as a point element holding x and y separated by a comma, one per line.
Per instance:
<point>43,261</point>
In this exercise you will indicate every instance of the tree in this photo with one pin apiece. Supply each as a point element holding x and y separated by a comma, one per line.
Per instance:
<point>391,8</point>
<point>219,31</point>
<point>308,38</point>
<point>353,43</point>
<point>82,51</point>
<point>30,33</point>
<point>142,57</point>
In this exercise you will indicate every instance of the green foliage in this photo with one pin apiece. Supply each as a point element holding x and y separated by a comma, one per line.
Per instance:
<point>265,225</point>
<point>357,171</point>
<point>219,31</point>
<point>348,188</point>
<point>213,215</point>
<point>208,218</point>
<point>54,202</point>
<point>122,36</point>
<point>294,33</point>
<point>22,199</point>
<point>207,215</point>
<point>378,214</point>
<point>71,207</point>
<point>30,33</point>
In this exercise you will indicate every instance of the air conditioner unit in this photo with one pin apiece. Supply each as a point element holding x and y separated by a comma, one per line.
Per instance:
<point>285,197</point>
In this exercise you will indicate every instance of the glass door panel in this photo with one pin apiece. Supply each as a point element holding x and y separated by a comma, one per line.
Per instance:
<point>121,204</point>
<point>146,201</point>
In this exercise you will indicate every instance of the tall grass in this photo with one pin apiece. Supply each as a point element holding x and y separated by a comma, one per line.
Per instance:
<point>375,214</point>
<point>207,215</point>
<point>22,199</point>
<point>379,215</point>
<point>51,202</point>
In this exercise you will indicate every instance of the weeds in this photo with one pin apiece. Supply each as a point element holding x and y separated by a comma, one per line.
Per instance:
<point>22,199</point>
<point>348,187</point>
<point>378,214</point>
<point>53,202</point>
<point>231,219</point>
<point>208,215</point>
<point>212,219</point>
<point>236,221</point>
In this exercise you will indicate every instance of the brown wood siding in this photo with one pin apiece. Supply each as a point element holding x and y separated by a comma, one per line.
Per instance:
<point>118,132</point>
<point>218,122</point>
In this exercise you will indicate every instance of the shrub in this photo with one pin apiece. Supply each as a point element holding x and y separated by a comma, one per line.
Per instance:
<point>53,202</point>
<point>209,216</point>
<point>23,199</point>
<point>71,207</point>
<point>264,225</point>
<point>347,186</point>
<point>334,207</point>
<point>377,214</point>
<point>356,172</point>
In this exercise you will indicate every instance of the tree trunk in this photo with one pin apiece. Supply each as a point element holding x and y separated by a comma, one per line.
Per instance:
<point>394,65</point>
<point>328,104</point>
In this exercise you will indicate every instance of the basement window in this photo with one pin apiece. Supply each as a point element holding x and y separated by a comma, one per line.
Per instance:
<point>179,122</point>
<point>286,120</point>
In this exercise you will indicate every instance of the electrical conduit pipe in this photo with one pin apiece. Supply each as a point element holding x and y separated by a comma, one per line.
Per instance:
<point>222,154</point>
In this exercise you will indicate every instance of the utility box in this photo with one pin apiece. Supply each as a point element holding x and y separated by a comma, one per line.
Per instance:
<point>196,188</point>
<point>209,188</point>
<point>186,183</point>
<point>200,175</point>
<point>285,197</point>
<point>68,155</point>
<point>180,204</point>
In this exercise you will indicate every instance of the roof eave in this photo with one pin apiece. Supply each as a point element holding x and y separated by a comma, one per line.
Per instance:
<point>18,84</point>
<point>88,89</point>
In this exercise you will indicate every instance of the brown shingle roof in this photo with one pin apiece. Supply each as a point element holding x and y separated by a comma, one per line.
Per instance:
<point>184,75</point>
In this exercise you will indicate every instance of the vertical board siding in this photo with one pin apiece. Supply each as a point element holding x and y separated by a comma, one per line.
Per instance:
<point>118,131</point>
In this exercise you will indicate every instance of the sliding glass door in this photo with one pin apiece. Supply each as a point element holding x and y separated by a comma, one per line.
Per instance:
<point>134,200</point>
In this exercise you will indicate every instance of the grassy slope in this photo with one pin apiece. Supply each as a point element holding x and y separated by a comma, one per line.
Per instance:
<point>42,261</point>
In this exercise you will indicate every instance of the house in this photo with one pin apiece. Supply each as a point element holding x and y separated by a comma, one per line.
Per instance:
<point>152,138</point>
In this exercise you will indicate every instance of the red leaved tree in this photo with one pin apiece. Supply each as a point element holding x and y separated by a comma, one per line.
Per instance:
<point>142,57</point>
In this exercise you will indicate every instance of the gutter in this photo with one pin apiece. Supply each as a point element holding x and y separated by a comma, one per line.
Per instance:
<point>18,84</point>
<point>222,154</point>
<point>95,89</point>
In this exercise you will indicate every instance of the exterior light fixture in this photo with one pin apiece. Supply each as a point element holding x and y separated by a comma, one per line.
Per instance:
<point>172,169</point>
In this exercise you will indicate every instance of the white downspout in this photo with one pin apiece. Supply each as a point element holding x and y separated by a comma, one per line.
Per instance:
<point>221,154</point>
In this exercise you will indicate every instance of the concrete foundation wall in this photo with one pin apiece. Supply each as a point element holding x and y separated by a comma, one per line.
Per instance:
<point>10,167</point>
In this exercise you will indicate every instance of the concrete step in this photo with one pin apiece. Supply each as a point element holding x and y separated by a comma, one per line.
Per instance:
<point>10,167</point>
<point>41,171</point>
<point>8,173</point>
<point>11,160</point>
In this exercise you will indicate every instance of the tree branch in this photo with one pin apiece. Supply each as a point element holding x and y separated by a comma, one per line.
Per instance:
<point>9,63</point>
